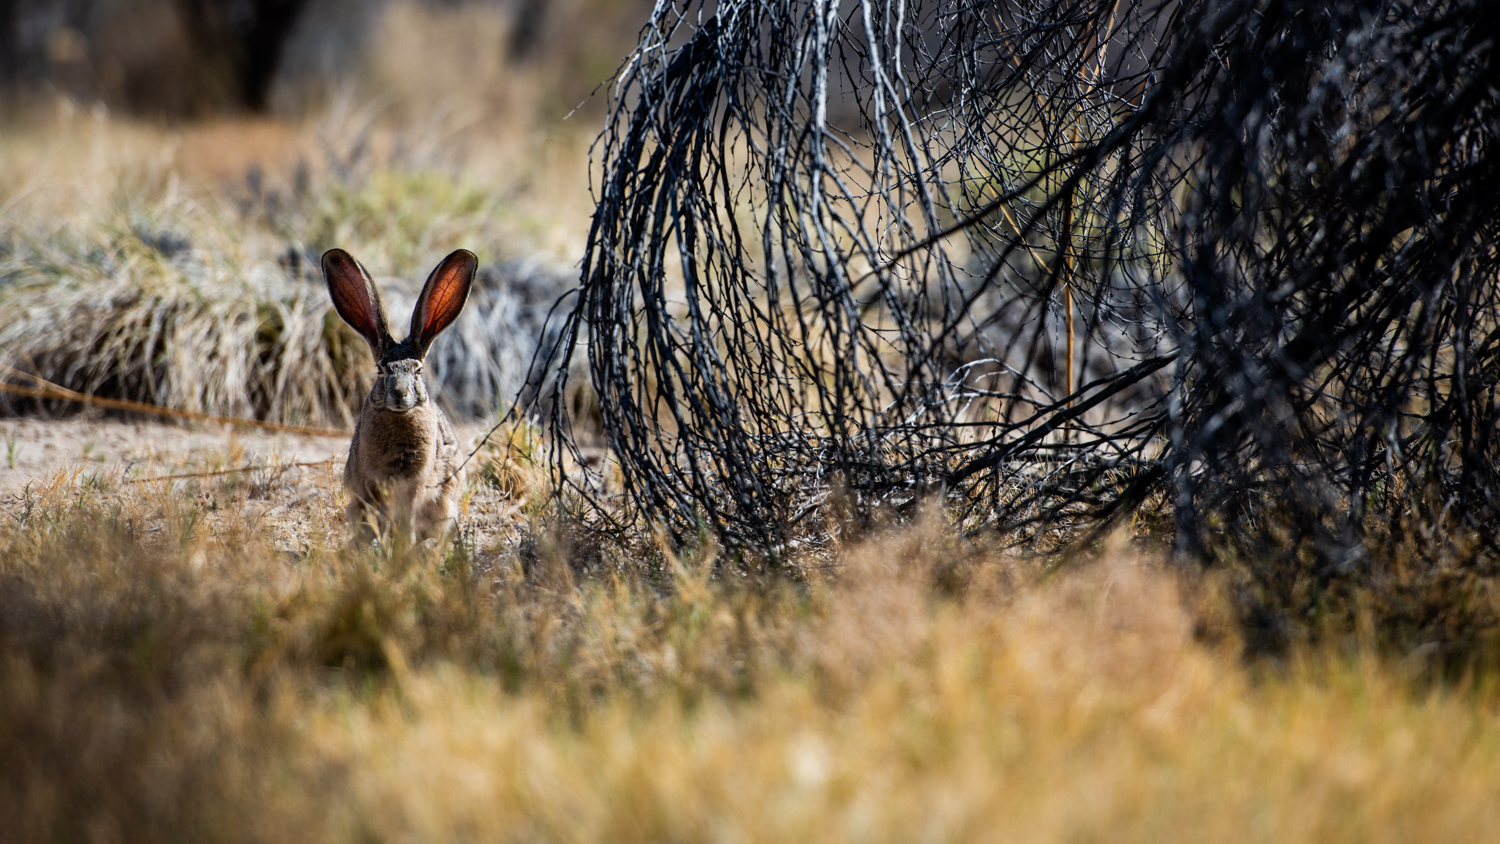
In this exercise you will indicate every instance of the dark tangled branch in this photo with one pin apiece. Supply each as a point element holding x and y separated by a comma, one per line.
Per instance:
<point>847,245</point>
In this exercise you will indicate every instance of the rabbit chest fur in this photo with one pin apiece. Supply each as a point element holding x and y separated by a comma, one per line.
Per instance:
<point>403,470</point>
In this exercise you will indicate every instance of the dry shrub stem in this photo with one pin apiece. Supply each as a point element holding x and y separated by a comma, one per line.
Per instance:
<point>830,243</point>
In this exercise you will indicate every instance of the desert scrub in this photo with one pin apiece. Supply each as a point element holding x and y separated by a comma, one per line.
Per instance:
<point>396,219</point>
<point>118,279</point>
<point>136,312</point>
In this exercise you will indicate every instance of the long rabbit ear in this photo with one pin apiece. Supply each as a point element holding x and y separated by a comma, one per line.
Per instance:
<point>355,299</point>
<point>442,298</point>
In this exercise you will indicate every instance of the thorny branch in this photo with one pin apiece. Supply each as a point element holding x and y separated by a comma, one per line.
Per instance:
<point>837,245</point>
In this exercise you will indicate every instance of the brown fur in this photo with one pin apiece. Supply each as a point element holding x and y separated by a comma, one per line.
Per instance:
<point>403,470</point>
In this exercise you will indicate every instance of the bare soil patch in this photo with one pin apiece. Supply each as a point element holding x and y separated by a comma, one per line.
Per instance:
<point>39,449</point>
<point>289,485</point>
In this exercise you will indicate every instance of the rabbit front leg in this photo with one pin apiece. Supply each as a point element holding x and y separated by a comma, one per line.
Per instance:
<point>366,513</point>
<point>388,511</point>
<point>437,517</point>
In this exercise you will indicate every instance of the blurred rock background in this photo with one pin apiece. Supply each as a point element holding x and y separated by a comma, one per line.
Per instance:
<point>178,59</point>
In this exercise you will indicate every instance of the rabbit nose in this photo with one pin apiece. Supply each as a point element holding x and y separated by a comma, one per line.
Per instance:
<point>401,394</point>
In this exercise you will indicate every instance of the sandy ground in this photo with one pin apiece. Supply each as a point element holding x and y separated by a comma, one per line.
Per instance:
<point>289,485</point>
<point>37,450</point>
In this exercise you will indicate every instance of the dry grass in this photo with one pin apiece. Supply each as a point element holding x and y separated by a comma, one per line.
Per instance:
<point>203,659</point>
<point>175,669</point>
<point>179,266</point>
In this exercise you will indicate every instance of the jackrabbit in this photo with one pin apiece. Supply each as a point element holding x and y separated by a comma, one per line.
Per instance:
<point>404,469</point>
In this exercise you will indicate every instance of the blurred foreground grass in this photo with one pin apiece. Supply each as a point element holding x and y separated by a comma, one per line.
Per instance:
<point>172,670</point>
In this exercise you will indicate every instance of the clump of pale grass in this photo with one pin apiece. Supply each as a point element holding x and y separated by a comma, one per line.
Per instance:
<point>117,279</point>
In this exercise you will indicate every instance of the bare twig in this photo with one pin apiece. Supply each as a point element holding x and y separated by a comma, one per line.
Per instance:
<point>48,390</point>
<point>238,470</point>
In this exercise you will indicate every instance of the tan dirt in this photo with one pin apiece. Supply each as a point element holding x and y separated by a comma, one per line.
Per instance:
<point>288,484</point>
<point>36,450</point>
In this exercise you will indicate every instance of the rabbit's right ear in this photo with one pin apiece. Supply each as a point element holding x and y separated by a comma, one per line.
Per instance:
<point>355,299</point>
<point>442,299</point>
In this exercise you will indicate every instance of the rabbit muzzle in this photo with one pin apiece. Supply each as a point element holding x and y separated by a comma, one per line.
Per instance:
<point>399,387</point>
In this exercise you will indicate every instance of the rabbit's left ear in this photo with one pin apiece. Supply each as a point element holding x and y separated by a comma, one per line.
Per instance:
<point>442,298</point>
<point>356,300</point>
